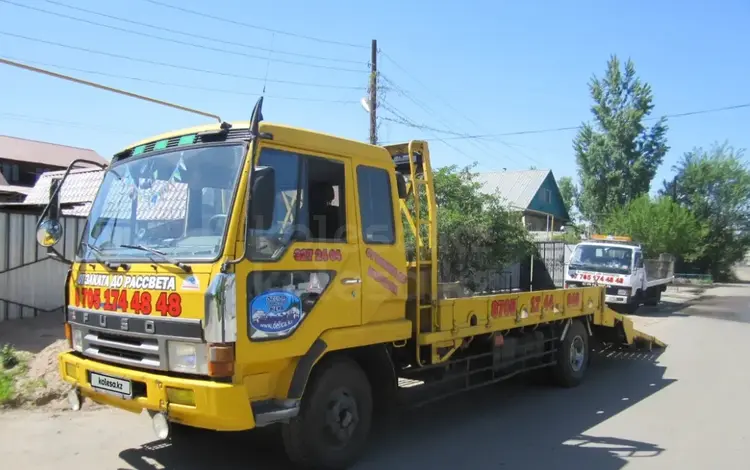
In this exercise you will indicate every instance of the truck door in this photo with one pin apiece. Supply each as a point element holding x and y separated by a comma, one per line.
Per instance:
<point>639,273</point>
<point>302,273</point>
<point>382,252</point>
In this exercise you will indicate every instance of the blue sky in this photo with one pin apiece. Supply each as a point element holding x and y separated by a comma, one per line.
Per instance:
<point>484,67</point>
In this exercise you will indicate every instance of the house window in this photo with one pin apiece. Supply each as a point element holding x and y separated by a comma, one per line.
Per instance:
<point>547,196</point>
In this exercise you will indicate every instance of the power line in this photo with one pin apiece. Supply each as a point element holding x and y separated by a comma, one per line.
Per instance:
<point>176,66</point>
<point>483,146</point>
<point>404,119</point>
<point>173,84</point>
<point>252,26</point>
<point>58,122</point>
<point>572,128</point>
<point>177,41</point>
<point>193,34</point>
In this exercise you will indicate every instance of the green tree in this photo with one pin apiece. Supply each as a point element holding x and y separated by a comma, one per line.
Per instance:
<point>714,185</point>
<point>617,155</point>
<point>662,225</point>
<point>568,193</point>
<point>477,234</point>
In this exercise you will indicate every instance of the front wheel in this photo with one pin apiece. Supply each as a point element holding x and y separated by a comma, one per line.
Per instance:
<point>333,425</point>
<point>572,356</point>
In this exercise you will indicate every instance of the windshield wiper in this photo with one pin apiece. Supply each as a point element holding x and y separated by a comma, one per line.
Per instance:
<point>109,264</point>
<point>164,256</point>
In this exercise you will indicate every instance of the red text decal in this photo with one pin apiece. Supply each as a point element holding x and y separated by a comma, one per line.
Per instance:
<point>116,300</point>
<point>574,299</point>
<point>317,254</point>
<point>504,308</point>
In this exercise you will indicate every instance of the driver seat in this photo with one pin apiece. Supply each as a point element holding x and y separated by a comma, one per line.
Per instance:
<point>323,217</point>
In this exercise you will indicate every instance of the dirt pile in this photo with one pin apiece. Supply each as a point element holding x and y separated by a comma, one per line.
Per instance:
<point>42,385</point>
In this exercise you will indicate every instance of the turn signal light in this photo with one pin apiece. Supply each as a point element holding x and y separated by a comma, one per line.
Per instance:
<point>221,360</point>
<point>69,335</point>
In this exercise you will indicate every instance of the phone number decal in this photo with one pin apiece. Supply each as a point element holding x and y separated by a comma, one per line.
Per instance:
<point>319,254</point>
<point>116,300</point>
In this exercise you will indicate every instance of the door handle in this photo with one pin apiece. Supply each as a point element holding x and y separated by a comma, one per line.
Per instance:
<point>351,280</point>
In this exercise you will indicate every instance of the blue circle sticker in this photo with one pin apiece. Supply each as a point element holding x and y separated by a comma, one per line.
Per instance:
<point>275,312</point>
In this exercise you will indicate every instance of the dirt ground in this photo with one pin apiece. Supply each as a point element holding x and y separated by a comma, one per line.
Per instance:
<point>43,337</point>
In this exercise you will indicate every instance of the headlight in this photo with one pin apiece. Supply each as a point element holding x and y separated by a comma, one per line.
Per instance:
<point>623,292</point>
<point>77,340</point>
<point>187,357</point>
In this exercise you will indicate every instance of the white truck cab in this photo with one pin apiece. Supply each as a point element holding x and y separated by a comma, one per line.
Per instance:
<point>618,263</point>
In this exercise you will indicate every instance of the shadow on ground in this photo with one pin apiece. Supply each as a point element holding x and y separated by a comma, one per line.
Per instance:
<point>664,309</point>
<point>33,334</point>
<point>512,425</point>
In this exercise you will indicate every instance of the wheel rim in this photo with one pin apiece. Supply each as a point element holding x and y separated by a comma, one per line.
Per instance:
<point>342,417</point>
<point>577,353</point>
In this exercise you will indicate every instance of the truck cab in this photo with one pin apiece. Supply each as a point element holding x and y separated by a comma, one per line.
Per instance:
<point>617,263</point>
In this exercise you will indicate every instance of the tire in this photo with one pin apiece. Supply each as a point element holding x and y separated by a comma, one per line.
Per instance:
<point>573,356</point>
<point>654,298</point>
<point>308,438</point>
<point>635,302</point>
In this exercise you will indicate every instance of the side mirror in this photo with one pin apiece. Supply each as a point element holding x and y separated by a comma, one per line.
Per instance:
<point>49,233</point>
<point>401,185</point>
<point>49,230</point>
<point>262,198</point>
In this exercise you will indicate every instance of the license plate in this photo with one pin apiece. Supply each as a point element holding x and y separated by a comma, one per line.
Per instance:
<point>105,383</point>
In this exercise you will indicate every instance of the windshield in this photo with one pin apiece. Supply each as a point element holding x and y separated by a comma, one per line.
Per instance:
<point>175,202</point>
<point>606,259</point>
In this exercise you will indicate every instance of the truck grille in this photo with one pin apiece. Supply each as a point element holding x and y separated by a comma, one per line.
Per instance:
<point>141,352</point>
<point>612,290</point>
<point>131,340</point>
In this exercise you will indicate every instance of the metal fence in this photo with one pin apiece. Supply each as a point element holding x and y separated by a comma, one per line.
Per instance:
<point>31,282</point>
<point>554,256</point>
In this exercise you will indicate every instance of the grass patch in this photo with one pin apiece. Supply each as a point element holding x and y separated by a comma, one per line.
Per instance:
<point>13,365</point>
<point>7,390</point>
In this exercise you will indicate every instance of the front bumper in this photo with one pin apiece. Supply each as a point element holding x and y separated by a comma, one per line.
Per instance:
<point>216,405</point>
<point>617,299</point>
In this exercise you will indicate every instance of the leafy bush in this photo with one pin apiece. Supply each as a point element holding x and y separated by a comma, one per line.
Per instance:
<point>8,357</point>
<point>477,235</point>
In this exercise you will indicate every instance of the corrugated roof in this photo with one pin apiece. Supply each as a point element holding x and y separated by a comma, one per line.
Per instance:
<point>80,186</point>
<point>517,188</point>
<point>9,188</point>
<point>164,201</point>
<point>45,153</point>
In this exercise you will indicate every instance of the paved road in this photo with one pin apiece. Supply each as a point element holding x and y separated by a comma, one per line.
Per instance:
<point>684,409</point>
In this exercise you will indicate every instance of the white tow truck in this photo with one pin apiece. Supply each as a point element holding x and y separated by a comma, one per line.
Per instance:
<point>618,263</point>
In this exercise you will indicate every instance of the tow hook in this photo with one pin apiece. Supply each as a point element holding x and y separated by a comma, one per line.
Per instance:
<point>160,424</point>
<point>75,399</point>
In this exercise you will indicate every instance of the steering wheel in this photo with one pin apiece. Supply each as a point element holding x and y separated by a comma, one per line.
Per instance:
<point>213,225</point>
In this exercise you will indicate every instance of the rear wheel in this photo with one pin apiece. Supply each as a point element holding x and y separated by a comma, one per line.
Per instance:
<point>572,356</point>
<point>654,298</point>
<point>333,425</point>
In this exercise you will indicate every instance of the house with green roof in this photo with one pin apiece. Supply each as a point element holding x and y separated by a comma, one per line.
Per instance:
<point>534,193</point>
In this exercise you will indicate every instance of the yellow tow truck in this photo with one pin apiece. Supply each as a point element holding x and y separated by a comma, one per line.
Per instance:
<point>233,276</point>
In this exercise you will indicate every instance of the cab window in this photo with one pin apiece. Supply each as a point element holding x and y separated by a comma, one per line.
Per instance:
<point>309,205</point>
<point>375,205</point>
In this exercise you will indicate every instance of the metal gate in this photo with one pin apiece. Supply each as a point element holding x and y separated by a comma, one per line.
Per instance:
<point>553,256</point>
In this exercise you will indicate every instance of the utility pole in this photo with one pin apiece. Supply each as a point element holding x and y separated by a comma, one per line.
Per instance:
<point>374,93</point>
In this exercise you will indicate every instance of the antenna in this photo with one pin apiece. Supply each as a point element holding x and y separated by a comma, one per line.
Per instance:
<point>224,125</point>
